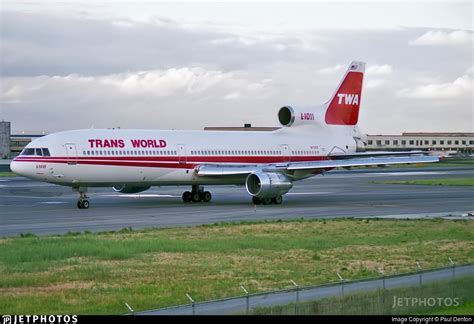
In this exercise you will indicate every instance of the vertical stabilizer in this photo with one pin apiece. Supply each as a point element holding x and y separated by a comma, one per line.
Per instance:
<point>343,107</point>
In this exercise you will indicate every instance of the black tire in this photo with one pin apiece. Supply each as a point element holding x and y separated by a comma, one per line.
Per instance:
<point>186,196</point>
<point>85,204</point>
<point>79,204</point>
<point>267,201</point>
<point>256,200</point>
<point>277,200</point>
<point>196,197</point>
<point>206,196</point>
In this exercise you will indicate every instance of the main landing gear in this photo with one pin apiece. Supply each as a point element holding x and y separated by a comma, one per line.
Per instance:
<point>82,203</point>
<point>267,201</point>
<point>197,194</point>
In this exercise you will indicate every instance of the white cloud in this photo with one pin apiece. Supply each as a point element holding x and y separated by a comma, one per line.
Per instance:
<point>332,69</point>
<point>374,83</point>
<point>444,38</point>
<point>67,72</point>
<point>450,90</point>
<point>232,96</point>
<point>379,70</point>
<point>156,83</point>
<point>167,82</point>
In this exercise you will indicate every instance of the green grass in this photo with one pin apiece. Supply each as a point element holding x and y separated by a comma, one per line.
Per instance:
<point>390,302</point>
<point>7,174</point>
<point>466,308</point>
<point>432,182</point>
<point>98,273</point>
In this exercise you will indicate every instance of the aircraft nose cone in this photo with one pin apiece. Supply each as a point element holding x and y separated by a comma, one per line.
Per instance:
<point>15,167</point>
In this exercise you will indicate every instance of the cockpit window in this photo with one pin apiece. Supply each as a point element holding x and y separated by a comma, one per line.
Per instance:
<point>36,151</point>
<point>28,151</point>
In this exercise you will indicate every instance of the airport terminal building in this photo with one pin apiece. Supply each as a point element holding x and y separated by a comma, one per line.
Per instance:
<point>4,139</point>
<point>458,142</point>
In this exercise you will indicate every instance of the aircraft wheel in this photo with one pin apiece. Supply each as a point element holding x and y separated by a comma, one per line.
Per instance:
<point>256,200</point>
<point>277,200</point>
<point>196,196</point>
<point>82,204</point>
<point>186,196</point>
<point>267,201</point>
<point>206,196</point>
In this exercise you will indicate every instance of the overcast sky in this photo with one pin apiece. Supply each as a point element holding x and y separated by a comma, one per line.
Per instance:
<point>166,65</point>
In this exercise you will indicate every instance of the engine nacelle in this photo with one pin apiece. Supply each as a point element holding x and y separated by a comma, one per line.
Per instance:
<point>267,184</point>
<point>291,116</point>
<point>130,189</point>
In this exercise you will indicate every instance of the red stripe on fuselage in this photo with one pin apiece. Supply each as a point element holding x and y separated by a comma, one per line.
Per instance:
<point>167,162</point>
<point>197,159</point>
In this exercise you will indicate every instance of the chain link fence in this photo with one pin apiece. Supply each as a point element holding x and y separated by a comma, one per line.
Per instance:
<point>408,293</point>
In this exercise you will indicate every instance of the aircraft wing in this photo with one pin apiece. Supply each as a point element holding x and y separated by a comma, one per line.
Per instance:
<point>361,162</point>
<point>375,154</point>
<point>241,170</point>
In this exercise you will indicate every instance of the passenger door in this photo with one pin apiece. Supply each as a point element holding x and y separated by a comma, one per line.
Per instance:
<point>285,151</point>
<point>71,153</point>
<point>182,154</point>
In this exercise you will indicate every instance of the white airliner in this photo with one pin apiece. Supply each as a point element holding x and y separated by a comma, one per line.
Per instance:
<point>311,141</point>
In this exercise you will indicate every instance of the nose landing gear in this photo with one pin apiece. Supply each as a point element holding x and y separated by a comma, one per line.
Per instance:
<point>82,203</point>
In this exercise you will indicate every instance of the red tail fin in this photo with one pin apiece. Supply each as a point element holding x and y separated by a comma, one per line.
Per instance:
<point>343,107</point>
